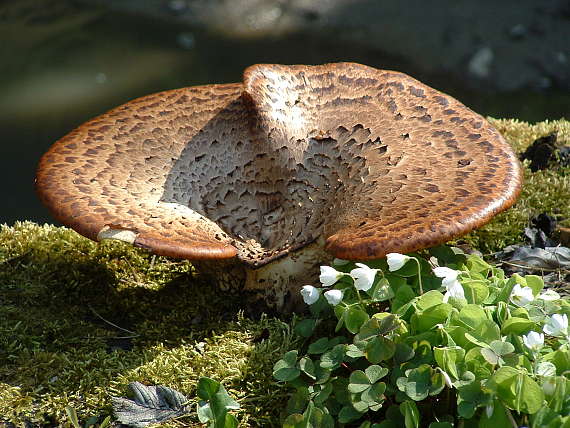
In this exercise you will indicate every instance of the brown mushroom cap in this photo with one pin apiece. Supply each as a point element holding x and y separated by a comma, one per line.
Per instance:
<point>372,160</point>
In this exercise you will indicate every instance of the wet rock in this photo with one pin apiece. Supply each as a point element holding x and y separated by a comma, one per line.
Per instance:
<point>545,152</point>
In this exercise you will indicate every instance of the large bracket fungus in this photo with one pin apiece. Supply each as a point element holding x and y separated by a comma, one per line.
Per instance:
<point>262,181</point>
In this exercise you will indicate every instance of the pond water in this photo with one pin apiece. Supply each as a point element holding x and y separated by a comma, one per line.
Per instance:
<point>64,63</point>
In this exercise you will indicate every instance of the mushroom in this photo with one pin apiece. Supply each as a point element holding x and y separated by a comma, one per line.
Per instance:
<point>262,181</point>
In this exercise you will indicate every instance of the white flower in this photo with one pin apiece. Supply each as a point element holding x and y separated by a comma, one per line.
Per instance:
<point>334,297</point>
<point>546,368</point>
<point>310,294</point>
<point>329,276</point>
<point>448,275</point>
<point>521,296</point>
<point>549,386</point>
<point>340,262</point>
<point>534,341</point>
<point>396,261</point>
<point>557,325</point>
<point>549,295</point>
<point>454,289</point>
<point>450,282</point>
<point>363,276</point>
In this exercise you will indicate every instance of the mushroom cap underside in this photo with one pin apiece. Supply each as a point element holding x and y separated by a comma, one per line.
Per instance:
<point>372,160</point>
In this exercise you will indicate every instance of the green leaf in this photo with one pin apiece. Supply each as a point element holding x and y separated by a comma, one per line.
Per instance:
<point>429,299</point>
<point>517,390</point>
<point>476,291</point>
<point>535,282</point>
<point>324,393</point>
<point>476,264</point>
<point>230,421</point>
<point>447,358</point>
<point>411,414</point>
<point>409,269</point>
<point>516,325</point>
<point>298,401</point>
<point>472,316</point>
<point>348,414</point>
<point>285,369</point>
<point>379,349</point>
<point>306,327</point>
<point>501,348</point>
<point>491,357</point>
<point>373,394</point>
<point>546,368</point>
<point>403,301</point>
<point>447,256</point>
<point>204,412</point>
<point>469,397</point>
<point>381,291</point>
<point>220,403</point>
<point>358,382</point>
<point>416,383</point>
<point>374,373</point>
<point>441,425</point>
<point>354,318</point>
<point>293,421</point>
<point>333,358</point>
<point>484,333</point>
<point>499,417</point>
<point>387,322</point>
<point>560,358</point>
<point>319,346</point>
<point>72,414</point>
<point>403,353</point>
<point>557,391</point>
<point>322,375</point>
<point>306,365</point>
<point>355,351</point>
<point>547,418</point>
<point>430,317</point>
<point>207,388</point>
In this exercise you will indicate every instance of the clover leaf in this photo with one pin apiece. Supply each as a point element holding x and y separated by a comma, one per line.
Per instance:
<point>517,390</point>
<point>285,369</point>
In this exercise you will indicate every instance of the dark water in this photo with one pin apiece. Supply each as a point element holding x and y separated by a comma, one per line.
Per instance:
<point>62,64</point>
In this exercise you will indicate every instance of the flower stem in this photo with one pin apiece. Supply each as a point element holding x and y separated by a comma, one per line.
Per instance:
<point>419,275</point>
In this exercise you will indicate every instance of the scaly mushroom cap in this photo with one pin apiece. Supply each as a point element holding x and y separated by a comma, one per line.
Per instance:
<point>372,160</point>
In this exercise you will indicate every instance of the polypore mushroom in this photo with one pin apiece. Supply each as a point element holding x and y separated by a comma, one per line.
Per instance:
<point>257,179</point>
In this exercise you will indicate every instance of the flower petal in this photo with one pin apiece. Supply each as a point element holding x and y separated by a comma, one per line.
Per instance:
<point>334,297</point>
<point>396,261</point>
<point>329,276</point>
<point>310,294</point>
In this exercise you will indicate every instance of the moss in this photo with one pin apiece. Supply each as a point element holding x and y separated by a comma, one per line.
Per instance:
<point>59,294</point>
<point>56,349</point>
<point>546,191</point>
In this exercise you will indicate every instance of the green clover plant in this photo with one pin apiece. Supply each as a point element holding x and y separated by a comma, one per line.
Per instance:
<point>439,343</point>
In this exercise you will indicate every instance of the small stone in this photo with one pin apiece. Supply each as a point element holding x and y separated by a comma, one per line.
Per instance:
<point>480,63</point>
<point>518,31</point>
<point>186,40</point>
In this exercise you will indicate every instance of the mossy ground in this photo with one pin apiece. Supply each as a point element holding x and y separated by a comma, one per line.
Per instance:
<point>59,293</point>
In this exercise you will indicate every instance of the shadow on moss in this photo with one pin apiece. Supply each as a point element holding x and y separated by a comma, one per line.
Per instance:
<point>79,321</point>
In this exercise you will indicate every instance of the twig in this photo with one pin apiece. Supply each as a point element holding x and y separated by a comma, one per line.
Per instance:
<point>530,267</point>
<point>112,324</point>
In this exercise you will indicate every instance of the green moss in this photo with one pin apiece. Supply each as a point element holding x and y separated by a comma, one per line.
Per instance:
<point>546,191</point>
<point>56,351</point>
<point>59,293</point>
